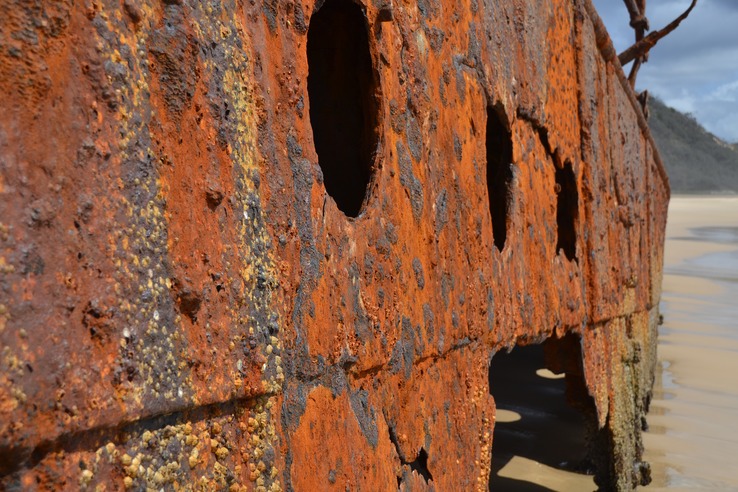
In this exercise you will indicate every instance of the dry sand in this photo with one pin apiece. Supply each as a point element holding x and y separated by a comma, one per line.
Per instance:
<point>692,443</point>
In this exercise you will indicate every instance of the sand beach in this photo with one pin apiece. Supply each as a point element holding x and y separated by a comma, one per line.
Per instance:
<point>692,443</point>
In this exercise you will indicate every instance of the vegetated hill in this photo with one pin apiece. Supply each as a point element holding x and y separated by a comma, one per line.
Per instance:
<point>696,160</point>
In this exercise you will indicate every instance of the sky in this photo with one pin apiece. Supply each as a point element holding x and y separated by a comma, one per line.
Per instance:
<point>695,68</point>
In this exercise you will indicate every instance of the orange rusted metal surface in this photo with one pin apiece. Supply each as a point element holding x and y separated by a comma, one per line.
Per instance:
<point>184,305</point>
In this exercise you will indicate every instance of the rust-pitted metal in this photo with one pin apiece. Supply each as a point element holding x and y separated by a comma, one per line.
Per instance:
<point>183,305</point>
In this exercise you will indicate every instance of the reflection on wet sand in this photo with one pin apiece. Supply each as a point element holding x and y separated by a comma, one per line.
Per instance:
<point>692,442</point>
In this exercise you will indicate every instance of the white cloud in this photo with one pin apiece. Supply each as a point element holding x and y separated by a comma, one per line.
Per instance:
<point>720,109</point>
<point>727,91</point>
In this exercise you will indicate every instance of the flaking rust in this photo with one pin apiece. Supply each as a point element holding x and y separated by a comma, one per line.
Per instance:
<point>184,303</point>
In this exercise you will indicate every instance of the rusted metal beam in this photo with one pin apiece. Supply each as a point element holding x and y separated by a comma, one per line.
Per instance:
<point>643,46</point>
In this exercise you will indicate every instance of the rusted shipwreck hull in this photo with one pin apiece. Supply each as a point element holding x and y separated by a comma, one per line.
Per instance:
<point>191,298</point>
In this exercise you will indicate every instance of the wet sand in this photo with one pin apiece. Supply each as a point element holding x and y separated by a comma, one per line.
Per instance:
<point>693,440</point>
<point>692,443</point>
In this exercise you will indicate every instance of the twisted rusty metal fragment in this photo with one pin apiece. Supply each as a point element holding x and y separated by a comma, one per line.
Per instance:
<point>642,47</point>
<point>639,22</point>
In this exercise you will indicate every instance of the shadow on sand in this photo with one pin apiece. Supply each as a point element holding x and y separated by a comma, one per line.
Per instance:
<point>534,423</point>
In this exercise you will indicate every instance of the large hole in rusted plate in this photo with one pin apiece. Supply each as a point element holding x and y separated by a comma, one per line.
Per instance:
<point>343,108</point>
<point>567,209</point>
<point>499,174</point>
<point>539,438</point>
